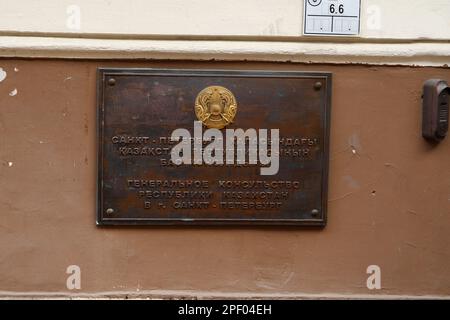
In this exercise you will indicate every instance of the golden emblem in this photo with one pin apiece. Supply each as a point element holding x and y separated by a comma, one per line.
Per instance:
<point>215,106</point>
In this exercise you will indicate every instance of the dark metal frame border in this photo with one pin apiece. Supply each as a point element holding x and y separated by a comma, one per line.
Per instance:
<point>101,76</point>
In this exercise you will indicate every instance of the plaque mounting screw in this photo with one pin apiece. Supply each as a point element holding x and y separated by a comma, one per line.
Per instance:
<point>315,212</point>
<point>110,211</point>
<point>111,81</point>
<point>318,85</point>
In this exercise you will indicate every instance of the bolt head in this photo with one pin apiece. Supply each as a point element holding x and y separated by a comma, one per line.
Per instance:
<point>112,81</point>
<point>318,85</point>
<point>110,211</point>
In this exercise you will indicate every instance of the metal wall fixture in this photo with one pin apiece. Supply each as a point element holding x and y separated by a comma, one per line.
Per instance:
<point>436,96</point>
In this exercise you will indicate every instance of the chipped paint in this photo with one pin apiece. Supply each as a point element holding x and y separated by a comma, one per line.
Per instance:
<point>2,74</point>
<point>354,143</point>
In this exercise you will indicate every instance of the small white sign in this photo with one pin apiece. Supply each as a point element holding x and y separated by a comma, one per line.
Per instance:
<point>331,17</point>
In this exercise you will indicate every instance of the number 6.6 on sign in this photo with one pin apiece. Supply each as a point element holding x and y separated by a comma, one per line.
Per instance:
<point>331,17</point>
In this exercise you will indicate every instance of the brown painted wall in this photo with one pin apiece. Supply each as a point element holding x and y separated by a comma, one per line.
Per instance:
<point>389,196</point>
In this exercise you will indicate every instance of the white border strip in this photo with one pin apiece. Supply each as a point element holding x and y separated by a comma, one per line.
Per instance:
<point>410,54</point>
<point>191,294</point>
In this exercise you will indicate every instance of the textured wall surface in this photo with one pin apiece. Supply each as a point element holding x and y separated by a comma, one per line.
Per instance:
<point>389,196</point>
<point>380,19</point>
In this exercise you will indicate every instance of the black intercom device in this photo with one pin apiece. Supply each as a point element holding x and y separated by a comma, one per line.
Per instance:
<point>436,96</point>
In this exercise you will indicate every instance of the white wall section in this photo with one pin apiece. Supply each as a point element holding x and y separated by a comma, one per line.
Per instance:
<point>418,54</point>
<point>392,32</point>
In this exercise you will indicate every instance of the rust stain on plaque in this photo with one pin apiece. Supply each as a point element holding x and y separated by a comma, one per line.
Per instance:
<point>139,109</point>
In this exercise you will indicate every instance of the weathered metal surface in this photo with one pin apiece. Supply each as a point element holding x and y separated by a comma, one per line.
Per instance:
<point>138,109</point>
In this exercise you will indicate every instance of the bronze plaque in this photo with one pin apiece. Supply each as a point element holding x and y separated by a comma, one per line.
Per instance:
<point>276,123</point>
